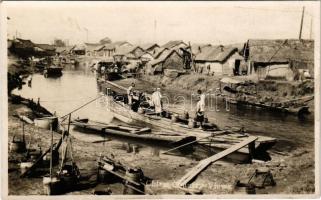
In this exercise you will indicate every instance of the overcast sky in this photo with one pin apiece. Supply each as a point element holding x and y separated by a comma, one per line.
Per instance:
<point>141,22</point>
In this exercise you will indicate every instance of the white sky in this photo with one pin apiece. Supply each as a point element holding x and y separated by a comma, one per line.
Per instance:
<point>198,22</point>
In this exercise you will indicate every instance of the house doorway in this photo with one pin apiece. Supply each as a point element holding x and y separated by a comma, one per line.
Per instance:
<point>237,67</point>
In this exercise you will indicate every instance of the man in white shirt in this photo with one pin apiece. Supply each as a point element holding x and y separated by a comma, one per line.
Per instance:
<point>156,99</point>
<point>130,94</point>
<point>200,108</point>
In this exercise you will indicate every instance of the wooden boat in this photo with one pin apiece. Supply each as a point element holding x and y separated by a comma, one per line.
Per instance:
<point>132,132</point>
<point>228,91</point>
<point>180,125</point>
<point>52,71</point>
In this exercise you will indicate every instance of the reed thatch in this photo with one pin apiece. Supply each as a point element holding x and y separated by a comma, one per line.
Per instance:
<point>281,50</point>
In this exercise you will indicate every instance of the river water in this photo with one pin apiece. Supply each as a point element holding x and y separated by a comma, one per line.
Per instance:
<point>78,86</point>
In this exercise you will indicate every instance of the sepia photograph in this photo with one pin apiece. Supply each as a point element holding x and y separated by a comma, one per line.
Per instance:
<point>160,99</point>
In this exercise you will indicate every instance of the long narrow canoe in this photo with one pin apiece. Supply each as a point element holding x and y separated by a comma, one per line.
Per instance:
<point>124,113</point>
<point>133,132</point>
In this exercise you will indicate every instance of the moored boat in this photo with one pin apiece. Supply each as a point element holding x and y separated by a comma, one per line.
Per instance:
<point>53,71</point>
<point>182,124</point>
<point>132,132</point>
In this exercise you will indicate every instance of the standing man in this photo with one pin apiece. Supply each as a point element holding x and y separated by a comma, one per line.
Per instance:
<point>200,108</point>
<point>157,101</point>
<point>29,79</point>
<point>130,94</point>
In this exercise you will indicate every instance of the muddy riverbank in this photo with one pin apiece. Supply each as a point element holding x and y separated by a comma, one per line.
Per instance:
<point>274,91</point>
<point>293,171</point>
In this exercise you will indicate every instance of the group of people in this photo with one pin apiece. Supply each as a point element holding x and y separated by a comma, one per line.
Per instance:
<point>156,102</point>
<point>156,99</point>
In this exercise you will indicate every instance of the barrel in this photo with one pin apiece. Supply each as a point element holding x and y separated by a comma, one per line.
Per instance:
<point>51,185</point>
<point>104,176</point>
<point>45,122</point>
<point>174,117</point>
<point>24,166</point>
<point>17,146</point>
<point>130,188</point>
<point>191,123</point>
<point>250,189</point>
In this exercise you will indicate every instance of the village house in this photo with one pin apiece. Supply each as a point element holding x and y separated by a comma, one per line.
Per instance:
<point>46,49</point>
<point>175,44</point>
<point>90,48</point>
<point>126,53</point>
<point>107,50</point>
<point>280,59</point>
<point>63,51</point>
<point>21,47</point>
<point>150,47</point>
<point>146,57</point>
<point>79,50</point>
<point>171,60</point>
<point>158,52</point>
<point>197,48</point>
<point>218,60</point>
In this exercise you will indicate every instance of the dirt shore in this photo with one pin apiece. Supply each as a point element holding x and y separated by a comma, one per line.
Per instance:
<point>293,171</point>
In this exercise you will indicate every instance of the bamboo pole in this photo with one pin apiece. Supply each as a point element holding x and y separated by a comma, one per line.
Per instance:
<point>51,147</point>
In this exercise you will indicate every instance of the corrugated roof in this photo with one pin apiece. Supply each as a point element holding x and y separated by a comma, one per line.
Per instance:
<point>281,50</point>
<point>215,53</point>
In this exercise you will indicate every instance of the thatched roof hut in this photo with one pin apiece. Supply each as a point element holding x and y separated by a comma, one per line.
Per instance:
<point>298,54</point>
<point>280,50</point>
<point>173,44</point>
<point>215,54</point>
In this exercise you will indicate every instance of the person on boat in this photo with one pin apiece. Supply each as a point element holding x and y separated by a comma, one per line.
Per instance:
<point>130,94</point>
<point>29,79</point>
<point>200,108</point>
<point>157,101</point>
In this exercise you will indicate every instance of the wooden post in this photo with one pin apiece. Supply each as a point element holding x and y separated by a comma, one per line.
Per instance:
<point>51,151</point>
<point>302,17</point>
<point>23,131</point>
<point>251,151</point>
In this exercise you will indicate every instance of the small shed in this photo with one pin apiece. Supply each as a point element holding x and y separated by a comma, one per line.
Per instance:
<point>218,60</point>
<point>150,47</point>
<point>282,59</point>
<point>129,53</point>
<point>171,60</point>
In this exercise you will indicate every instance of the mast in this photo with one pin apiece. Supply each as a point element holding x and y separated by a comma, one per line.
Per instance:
<point>302,17</point>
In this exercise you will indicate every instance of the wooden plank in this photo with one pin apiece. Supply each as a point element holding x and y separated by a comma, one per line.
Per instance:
<point>116,85</point>
<point>204,163</point>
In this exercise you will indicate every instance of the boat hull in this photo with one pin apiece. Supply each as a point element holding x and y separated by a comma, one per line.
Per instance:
<point>219,140</point>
